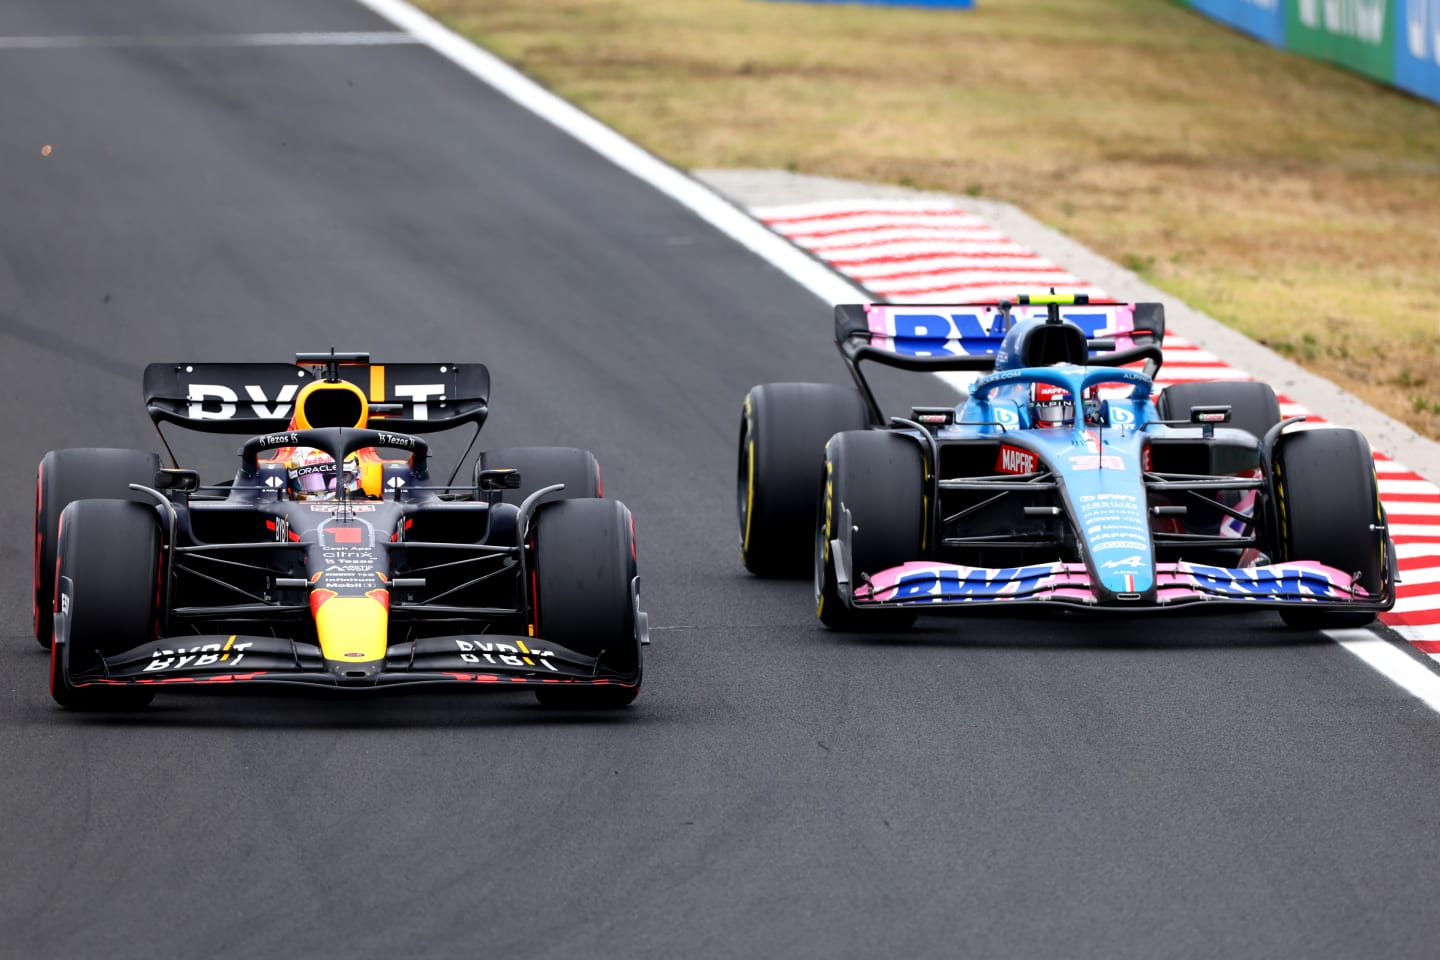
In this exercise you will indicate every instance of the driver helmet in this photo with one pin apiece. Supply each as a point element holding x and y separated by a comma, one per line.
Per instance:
<point>1051,406</point>
<point>312,475</point>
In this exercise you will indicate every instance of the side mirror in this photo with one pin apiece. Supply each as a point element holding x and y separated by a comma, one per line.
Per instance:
<point>1218,413</point>
<point>180,481</point>
<point>501,479</point>
<point>1208,416</point>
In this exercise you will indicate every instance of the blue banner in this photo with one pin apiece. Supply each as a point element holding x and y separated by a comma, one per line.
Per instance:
<point>1259,18</point>
<point>1417,48</point>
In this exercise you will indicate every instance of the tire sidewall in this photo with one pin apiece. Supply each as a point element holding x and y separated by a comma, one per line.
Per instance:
<point>62,477</point>
<point>110,552</point>
<point>783,431</point>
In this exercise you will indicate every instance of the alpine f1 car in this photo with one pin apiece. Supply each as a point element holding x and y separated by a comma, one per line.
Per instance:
<point>322,565</point>
<point>1063,480</point>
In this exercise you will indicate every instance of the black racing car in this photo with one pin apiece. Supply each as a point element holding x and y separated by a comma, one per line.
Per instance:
<point>325,565</point>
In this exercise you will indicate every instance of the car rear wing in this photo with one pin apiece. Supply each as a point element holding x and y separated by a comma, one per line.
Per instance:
<point>254,398</point>
<point>966,336</point>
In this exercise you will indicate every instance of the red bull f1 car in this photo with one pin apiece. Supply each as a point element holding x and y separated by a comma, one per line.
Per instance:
<point>1064,480</point>
<point>331,561</point>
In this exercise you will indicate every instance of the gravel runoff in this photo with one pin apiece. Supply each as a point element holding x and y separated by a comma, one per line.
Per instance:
<point>756,188</point>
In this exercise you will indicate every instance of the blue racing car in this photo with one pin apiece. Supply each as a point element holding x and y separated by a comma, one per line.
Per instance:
<point>1064,479</point>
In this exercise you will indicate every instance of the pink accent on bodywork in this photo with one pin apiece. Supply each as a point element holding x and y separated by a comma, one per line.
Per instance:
<point>1071,581</point>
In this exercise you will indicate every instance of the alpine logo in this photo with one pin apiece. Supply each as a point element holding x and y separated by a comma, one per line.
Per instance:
<point>1133,562</point>
<point>1015,460</point>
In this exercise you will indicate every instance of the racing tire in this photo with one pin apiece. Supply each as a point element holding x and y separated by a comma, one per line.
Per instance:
<point>109,550</point>
<point>1253,405</point>
<point>783,431</point>
<point>1329,508</point>
<point>64,476</point>
<point>541,467</point>
<point>584,563</point>
<point>880,478</point>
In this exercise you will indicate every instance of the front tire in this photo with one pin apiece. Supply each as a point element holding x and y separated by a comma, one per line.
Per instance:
<point>585,562</point>
<point>1329,511</point>
<point>783,430</point>
<point>879,477</point>
<point>109,550</point>
<point>63,477</point>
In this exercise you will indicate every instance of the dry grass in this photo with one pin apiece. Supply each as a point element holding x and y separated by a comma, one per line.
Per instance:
<point>1291,200</point>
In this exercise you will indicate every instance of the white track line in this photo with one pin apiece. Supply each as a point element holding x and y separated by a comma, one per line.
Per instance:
<point>680,187</point>
<point>1397,666</point>
<point>343,39</point>
<point>1393,664</point>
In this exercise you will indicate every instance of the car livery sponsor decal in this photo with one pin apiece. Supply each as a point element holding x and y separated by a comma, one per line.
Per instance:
<point>216,401</point>
<point>1113,521</point>
<point>922,582</point>
<point>229,653</point>
<point>517,654</point>
<point>1015,460</point>
<point>975,330</point>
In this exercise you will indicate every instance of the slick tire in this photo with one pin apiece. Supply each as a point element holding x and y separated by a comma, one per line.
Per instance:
<point>783,430</point>
<point>584,561</point>
<point>879,477</point>
<point>109,550</point>
<point>541,467</point>
<point>63,477</point>
<point>1253,406</point>
<point>1329,506</point>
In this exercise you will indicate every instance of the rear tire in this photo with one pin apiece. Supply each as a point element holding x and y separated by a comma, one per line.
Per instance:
<point>543,466</point>
<point>1328,500</point>
<point>880,478</point>
<point>1253,405</point>
<point>584,564</point>
<point>110,552</point>
<point>63,477</point>
<point>783,430</point>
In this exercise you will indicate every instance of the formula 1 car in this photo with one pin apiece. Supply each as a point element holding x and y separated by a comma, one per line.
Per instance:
<point>1062,481</point>
<point>324,566</point>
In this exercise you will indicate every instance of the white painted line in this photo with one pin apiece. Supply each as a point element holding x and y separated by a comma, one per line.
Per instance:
<point>1404,510</point>
<point>1405,486</point>
<point>1429,530</point>
<point>860,239</point>
<point>680,187</point>
<point>1418,575</point>
<point>939,266</point>
<point>343,39</point>
<point>847,251</point>
<point>1183,374</point>
<point>1394,664</point>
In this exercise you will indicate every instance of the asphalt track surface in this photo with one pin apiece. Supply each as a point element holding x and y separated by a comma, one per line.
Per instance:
<point>1195,787</point>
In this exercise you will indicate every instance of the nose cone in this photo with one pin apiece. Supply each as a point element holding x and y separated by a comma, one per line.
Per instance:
<point>353,631</point>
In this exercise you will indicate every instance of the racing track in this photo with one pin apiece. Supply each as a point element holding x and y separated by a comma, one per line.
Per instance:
<point>1195,787</point>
